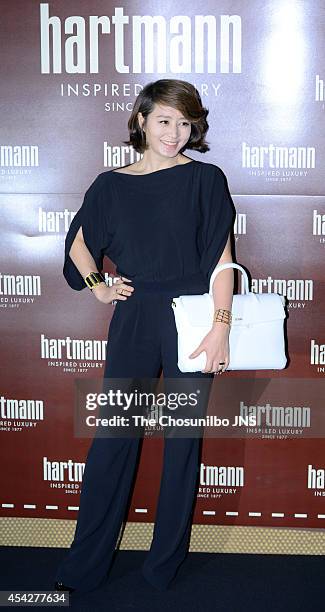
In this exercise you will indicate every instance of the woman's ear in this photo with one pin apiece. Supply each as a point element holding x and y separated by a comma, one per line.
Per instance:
<point>140,119</point>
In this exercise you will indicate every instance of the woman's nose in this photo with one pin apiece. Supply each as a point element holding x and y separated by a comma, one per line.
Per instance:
<point>173,132</point>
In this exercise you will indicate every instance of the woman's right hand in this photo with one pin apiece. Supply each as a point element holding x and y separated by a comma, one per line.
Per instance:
<point>107,295</point>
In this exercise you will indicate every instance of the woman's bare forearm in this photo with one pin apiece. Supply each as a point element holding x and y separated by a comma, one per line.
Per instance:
<point>222,289</point>
<point>223,285</point>
<point>81,256</point>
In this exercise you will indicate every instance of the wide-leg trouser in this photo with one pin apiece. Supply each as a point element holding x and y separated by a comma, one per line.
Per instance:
<point>142,340</point>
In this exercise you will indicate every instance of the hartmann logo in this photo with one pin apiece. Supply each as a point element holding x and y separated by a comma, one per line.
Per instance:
<point>19,156</point>
<point>63,471</point>
<point>178,44</point>
<point>317,355</point>
<point>315,478</point>
<point>222,475</point>
<point>274,157</point>
<point>319,89</point>
<point>116,156</point>
<point>20,284</point>
<point>318,223</point>
<point>72,348</point>
<point>27,409</point>
<point>292,288</point>
<point>54,221</point>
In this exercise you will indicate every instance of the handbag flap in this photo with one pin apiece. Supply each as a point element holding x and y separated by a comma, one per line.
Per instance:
<point>247,309</point>
<point>253,307</point>
<point>197,309</point>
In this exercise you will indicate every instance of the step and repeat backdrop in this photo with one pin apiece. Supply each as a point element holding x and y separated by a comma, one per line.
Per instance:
<point>71,71</point>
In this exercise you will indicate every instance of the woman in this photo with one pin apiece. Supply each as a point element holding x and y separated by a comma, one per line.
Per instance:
<point>165,221</point>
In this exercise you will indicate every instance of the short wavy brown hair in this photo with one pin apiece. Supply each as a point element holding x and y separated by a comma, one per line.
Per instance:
<point>178,94</point>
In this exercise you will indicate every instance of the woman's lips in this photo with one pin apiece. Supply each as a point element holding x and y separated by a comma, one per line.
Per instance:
<point>171,146</point>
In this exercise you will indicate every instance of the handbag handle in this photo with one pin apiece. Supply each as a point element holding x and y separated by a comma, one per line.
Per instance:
<point>229,265</point>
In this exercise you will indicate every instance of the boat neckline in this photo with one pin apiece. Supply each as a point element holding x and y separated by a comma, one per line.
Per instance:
<point>155,171</point>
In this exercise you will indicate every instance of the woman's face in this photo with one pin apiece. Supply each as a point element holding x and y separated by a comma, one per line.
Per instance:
<point>167,131</point>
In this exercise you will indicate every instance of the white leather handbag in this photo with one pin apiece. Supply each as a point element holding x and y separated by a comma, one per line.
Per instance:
<point>256,337</point>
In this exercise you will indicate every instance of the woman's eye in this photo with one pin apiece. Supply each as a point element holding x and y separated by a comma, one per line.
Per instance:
<point>165,121</point>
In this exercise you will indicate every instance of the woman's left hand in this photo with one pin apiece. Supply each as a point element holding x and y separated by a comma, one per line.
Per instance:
<point>216,346</point>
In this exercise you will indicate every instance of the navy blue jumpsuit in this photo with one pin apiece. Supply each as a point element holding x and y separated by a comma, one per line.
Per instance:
<point>165,231</point>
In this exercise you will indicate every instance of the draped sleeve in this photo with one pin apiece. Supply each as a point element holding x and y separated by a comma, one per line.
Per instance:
<point>93,217</point>
<point>217,218</point>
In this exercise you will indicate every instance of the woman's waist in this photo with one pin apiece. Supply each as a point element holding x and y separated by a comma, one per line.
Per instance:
<point>186,284</point>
